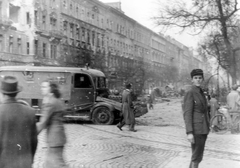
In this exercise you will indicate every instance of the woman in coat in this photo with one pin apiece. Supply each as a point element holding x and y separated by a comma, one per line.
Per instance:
<point>52,120</point>
<point>127,110</point>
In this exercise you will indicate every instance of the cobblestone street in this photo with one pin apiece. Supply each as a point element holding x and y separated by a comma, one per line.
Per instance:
<point>161,144</point>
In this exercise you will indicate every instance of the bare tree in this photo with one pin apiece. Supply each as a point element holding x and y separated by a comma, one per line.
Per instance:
<point>205,16</point>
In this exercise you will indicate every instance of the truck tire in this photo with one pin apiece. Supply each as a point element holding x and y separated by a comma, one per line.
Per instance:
<point>103,116</point>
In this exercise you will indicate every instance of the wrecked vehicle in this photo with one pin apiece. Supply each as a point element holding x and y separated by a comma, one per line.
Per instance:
<point>81,88</point>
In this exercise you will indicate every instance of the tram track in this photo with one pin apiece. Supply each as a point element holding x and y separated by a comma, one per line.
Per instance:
<point>215,153</point>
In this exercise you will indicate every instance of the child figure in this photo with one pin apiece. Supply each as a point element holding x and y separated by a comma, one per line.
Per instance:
<point>150,101</point>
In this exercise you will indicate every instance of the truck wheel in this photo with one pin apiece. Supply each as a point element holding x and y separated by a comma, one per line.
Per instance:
<point>102,115</point>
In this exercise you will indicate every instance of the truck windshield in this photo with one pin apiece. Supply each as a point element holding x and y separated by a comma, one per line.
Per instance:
<point>100,82</point>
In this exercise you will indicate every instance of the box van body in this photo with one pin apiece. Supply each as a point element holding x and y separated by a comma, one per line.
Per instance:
<point>79,88</point>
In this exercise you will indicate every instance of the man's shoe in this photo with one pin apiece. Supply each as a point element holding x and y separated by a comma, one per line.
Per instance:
<point>133,130</point>
<point>119,127</point>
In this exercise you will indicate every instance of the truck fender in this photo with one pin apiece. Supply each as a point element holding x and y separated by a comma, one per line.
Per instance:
<point>99,104</point>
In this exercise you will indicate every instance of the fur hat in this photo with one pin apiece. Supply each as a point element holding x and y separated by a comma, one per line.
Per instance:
<point>128,85</point>
<point>9,85</point>
<point>196,72</point>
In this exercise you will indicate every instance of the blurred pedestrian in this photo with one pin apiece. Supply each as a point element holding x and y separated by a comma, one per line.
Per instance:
<point>127,110</point>
<point>17,128</point>
<point>214,106</point>
<point>233,104</point>
<point>52,120</point>
<point>233,99</point>
<point>196,117</point>
<point>150,102</point>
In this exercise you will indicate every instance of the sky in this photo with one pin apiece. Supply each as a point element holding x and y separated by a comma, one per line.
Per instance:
<point>143,10</point>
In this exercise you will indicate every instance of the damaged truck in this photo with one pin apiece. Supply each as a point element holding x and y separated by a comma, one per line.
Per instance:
<point>84,92</point>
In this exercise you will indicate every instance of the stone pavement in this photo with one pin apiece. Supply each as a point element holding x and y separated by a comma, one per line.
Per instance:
<point>99,146</point>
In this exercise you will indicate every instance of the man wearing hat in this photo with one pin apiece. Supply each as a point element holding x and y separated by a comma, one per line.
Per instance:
<point>196,117</point>
<point>18,131</point>
<point>127,110</point>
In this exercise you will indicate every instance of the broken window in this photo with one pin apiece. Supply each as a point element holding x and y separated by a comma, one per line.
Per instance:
<point>14,13</point>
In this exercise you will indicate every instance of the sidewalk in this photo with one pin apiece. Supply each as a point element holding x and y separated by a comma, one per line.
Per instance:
<point>98,146</point>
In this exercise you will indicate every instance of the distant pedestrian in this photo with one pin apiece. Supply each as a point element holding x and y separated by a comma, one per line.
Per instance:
<point>52,120</point>
<point>233,99</point>
<point>18,131</point>
<point>127,110</point>
<point>214,106</point>
<point>196,117</point>
<point>150,102</point>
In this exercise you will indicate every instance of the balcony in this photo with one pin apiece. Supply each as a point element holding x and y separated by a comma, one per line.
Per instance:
<point>5,24</point>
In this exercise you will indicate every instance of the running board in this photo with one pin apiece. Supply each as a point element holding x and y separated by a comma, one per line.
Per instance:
<point>77,117</point>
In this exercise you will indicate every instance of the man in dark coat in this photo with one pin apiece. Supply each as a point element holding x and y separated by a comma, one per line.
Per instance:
<point>127,110</point>
<point>18,131</point>
<point>196,117</point>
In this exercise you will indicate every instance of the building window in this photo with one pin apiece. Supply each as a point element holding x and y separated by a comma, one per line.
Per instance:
<point>53,51</point>
<point>28,48</point>
<point>36,46</point>
<point>65,25</point>
<point>44,49</point>
<point>98,39</point>
<point>1,42</point>
<point>77,10</point>
<point>14,13</point>
<point>77,32</point>
<point>10,44</point>
<point>64,4</point>
<point>71,30</point>
<point>53,23</point>
<point>28,18</point>
<point>19,47</point>
<point>44,21</point>
<point>88,36</point>
<point>93,38</point>
<point>103,40</point>
<point>83,34</point>
<point>36,17</point>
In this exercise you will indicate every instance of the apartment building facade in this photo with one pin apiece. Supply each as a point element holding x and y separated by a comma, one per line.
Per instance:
<point>76,32</point>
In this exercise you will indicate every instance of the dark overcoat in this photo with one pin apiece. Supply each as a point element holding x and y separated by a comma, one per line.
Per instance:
<point>18,134</point>
<point>127,109</point>
<point>195,111</point>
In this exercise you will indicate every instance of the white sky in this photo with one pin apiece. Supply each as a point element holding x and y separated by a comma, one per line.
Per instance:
<point>143,10</point>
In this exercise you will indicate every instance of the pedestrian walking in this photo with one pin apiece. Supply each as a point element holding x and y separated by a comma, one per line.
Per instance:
<point>150,102</point>
<point>18,130</point>
<point>233,103</point>
<point>127,110</point>
<point>52,120</point>
<point>196,117</point>
<point>214,106</point>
